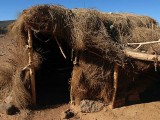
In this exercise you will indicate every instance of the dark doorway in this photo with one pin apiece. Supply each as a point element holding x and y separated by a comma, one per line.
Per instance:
<point>152,79</point>
<point>52,78</point>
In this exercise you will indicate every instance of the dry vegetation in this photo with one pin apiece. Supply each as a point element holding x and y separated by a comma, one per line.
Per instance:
<point>99,38</point>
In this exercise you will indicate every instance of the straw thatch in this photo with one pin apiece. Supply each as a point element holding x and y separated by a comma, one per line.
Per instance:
<point>98,37</point>
<point>15,86</point>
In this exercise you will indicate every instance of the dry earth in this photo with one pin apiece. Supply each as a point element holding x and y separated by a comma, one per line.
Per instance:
<point>143,111</point>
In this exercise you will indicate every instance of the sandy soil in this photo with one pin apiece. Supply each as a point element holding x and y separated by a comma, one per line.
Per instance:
<point>43,114</point>
<point>143,111</point>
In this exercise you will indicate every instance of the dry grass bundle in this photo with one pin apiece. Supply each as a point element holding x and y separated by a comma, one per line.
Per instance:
<point>90,34</point>
<point>93,79</point>
<point>99,78</point>
<point>43,18</point>
<point>5,83</point>
<point>141,21</point>
<point>125,21</point>
<point>21,90</point>
<point>84,29</point>
<point>115,23</point>
<point>46,20</point>
<point>141,34</point>
<point>121,25</point>
<point>11,81</point>
<point>89,82</point>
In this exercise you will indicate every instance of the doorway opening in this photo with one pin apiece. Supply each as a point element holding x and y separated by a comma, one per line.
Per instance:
<point>53,76</point>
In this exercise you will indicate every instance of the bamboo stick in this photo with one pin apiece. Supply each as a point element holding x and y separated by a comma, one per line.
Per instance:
<point>31,66</point>
<point>115,84</point>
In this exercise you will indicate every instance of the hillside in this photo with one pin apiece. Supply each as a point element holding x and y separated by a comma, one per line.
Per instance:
<point>4,24</point>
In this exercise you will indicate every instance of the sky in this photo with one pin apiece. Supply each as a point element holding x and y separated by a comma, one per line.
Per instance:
<point>10,9</point>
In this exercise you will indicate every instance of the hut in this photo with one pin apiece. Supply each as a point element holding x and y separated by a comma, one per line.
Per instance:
<point>111,58</point>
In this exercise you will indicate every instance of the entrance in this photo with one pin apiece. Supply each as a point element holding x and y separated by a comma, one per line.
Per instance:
<point>52,78</point>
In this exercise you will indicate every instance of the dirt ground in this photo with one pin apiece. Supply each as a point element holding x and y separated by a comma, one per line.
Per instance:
<point>143,111</point>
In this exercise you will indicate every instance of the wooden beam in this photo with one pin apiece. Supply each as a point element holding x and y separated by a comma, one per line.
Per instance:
<point>31,66</point>
<point>136,55</point>
<point>142,56</point>
<point>115,84</point>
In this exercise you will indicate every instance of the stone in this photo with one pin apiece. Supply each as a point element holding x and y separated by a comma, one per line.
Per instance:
<point>8,109</point>
<point>89,106</point>
<point>67,114</point>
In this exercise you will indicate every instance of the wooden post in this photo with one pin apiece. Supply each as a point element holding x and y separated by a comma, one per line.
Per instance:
<point>115,84</point>
<point>31,66</point>
<point>71,95</point>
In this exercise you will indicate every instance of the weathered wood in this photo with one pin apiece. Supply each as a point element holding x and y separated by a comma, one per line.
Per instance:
<point>76,58</point>
<point>71,95</point>
<point>31,66</point>
<point>136,55</point>
<point>60,47</point>
<point>115,84</point>
<point>142,56</point>
<point>143,43</point>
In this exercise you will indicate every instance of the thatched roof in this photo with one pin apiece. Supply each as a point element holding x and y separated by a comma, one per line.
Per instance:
<point>86,29</point>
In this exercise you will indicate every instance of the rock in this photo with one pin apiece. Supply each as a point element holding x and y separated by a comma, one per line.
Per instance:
<point>89,106</point>
<point>8,109</point>
<point>67,114</point>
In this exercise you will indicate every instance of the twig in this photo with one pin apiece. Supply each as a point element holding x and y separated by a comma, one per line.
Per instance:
<point>143,43</point>
<point>60,47</point>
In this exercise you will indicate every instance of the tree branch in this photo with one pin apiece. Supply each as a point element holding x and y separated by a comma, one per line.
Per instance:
<point>141,56</point>
<point>143,43</point>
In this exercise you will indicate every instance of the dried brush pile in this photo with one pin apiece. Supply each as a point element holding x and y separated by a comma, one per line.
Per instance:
<point>99,38</point>
<point>15,84</point>
<point>103,37</point>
